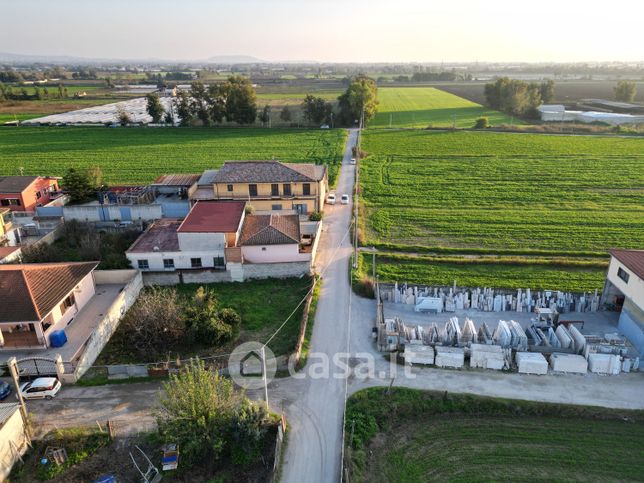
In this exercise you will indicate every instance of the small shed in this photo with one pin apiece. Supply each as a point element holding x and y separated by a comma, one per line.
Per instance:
<point>13,437</point>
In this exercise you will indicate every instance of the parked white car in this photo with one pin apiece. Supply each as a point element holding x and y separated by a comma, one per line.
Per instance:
<point>41,388</point>
<point>330,199</point>
<point>353,161</point>
<point>344,200</point>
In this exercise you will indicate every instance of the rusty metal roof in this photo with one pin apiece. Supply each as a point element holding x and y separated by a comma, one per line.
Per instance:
<point>632,259</point>
<point>213,217</point>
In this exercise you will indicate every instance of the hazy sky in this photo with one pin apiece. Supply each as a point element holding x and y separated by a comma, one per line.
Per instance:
<point>331,30</point>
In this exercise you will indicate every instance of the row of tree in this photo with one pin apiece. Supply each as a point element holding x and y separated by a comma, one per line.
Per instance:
<point>517,97</point>
<point>236,101</point>
<point>22,94</point>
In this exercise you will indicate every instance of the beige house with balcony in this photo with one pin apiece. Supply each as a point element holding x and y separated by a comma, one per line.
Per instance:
<point>268,185</point>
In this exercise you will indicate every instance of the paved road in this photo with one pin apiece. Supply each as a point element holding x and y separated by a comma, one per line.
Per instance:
<point>314,406</point>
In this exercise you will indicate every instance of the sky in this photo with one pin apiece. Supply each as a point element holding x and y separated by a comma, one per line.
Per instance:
<point>328,31</point>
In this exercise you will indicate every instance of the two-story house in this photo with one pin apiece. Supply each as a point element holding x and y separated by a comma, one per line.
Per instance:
<point>25,193</point>
<point>199,241</point>
<point>40,298</point>
<point>271,185</point>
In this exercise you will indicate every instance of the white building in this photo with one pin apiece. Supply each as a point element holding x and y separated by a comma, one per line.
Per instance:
<point>558,113</point>
<point>625,288</point>
<point>14,440</point>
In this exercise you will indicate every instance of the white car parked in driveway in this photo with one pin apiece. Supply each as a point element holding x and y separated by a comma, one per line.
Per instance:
<point>330,199</point>
<point>344,200</point>
<point>41,388</point>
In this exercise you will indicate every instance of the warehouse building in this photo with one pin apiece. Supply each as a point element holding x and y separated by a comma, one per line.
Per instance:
<point>624,290</point>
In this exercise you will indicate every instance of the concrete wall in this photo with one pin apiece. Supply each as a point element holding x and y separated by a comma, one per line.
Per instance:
<point>206,242</point>
<point>111,319</point>
<point>274,253</point>
<point>13,441</point>
<point>275,270</point>
<point>113,212</point>
<point>175,209</point>
<point>634,289</point>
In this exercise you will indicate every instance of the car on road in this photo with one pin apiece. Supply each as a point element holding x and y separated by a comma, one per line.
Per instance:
<point>353,161</point>
<point>41,388</point>
<point>5,390</point>
<point>344,200</point>
<point>330,199</point>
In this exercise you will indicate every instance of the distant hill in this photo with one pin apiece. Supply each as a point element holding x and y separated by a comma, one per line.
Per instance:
<point>235,59</point>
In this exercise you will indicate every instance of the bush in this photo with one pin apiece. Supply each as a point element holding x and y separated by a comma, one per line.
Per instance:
<point>482,123</point>
<point>315,216</point>
<point>207,323</point>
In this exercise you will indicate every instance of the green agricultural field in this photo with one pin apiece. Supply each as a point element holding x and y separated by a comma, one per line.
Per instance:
<point>139,155</point>
<point>504,272</point>
<point>425,106</point>
<point>422,436</point>
<point>502,192</point>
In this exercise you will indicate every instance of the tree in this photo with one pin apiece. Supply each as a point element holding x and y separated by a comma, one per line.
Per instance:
<point>240,100</point>
<point>216,104</point>
<point>625,91</point>
<point>265,116</point>
<point>94,176</point>
<point>154,107</point>
<point>199,102</point>
<point>153,324</point>
<point>285,114</point>
<point>547,91</point>
<point>122,116</point>
<point>202,412</point>
<point>206,323</point>
<point>316,110</point>
<point>184,109</point>
<point>77,185</point>
<point>514,97</point>
<point>361,97</point>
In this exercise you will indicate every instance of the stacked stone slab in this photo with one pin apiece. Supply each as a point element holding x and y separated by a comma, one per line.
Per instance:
<point>532,363</point>
<point>453,357</point>
<point>568,363</point>
<point>419,354</point>
<point>604,363</point>
<point>487,356</point>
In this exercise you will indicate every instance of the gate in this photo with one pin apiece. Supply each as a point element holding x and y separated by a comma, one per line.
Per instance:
<point>31,367</point>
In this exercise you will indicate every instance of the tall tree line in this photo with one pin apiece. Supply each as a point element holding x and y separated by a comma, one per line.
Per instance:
<point>517,97</point>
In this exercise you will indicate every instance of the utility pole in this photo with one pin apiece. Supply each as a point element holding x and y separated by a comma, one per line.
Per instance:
<point>13,369</point>
<point>355,197</point>
<point>373,262</point>
<point>264,376</point>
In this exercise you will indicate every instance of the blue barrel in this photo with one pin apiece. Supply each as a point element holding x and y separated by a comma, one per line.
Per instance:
<point>57,338</point>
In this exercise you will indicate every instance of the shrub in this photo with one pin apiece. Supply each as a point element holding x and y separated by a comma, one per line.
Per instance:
<point>315,216</point>
<point>482,123</point>
<point>207,323</point>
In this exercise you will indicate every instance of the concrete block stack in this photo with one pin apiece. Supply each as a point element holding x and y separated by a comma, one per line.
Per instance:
<point>468,334</point>
<point>422,354</point>
<point>566,340</point>
<point>605,363</point>
<point>453,357</point>
<point>532,363</point>
<point>484,334</point>
<point>487,357</point>
<point>502,335</point>
<point>568,363</point>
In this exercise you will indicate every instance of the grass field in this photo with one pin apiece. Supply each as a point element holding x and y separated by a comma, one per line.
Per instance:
<point>503,191</point>
<point>502,272</point>
<point>419,436</point>
<point>139,155</point>
<point>425,106</point>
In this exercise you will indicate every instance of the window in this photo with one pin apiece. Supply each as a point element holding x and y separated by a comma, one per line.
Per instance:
<point>287,189</point>
<point>38,195</point>
<point>276,207</point>
<point>195,262</point>
<point>168,263</point>
<point>275,189</point>
<point>229,187</point>
<point>252,189</point>
<point>306,189</point>
<point>144,265</point>
<point>67,303</point>
<point>10,202</point>
<point>623,274</point>
<point>219,262</point>
<point>300,208</point>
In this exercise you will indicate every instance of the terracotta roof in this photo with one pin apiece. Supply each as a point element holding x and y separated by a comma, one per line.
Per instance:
<point>6,251</point>
<point>213,217</point>
<point>15,184</point>
<point>176,180</point>
<point>161,234</point>
<point>270,229</point>
<point>30,291</point>
<point>632,259</point>
<point>267,172</point>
